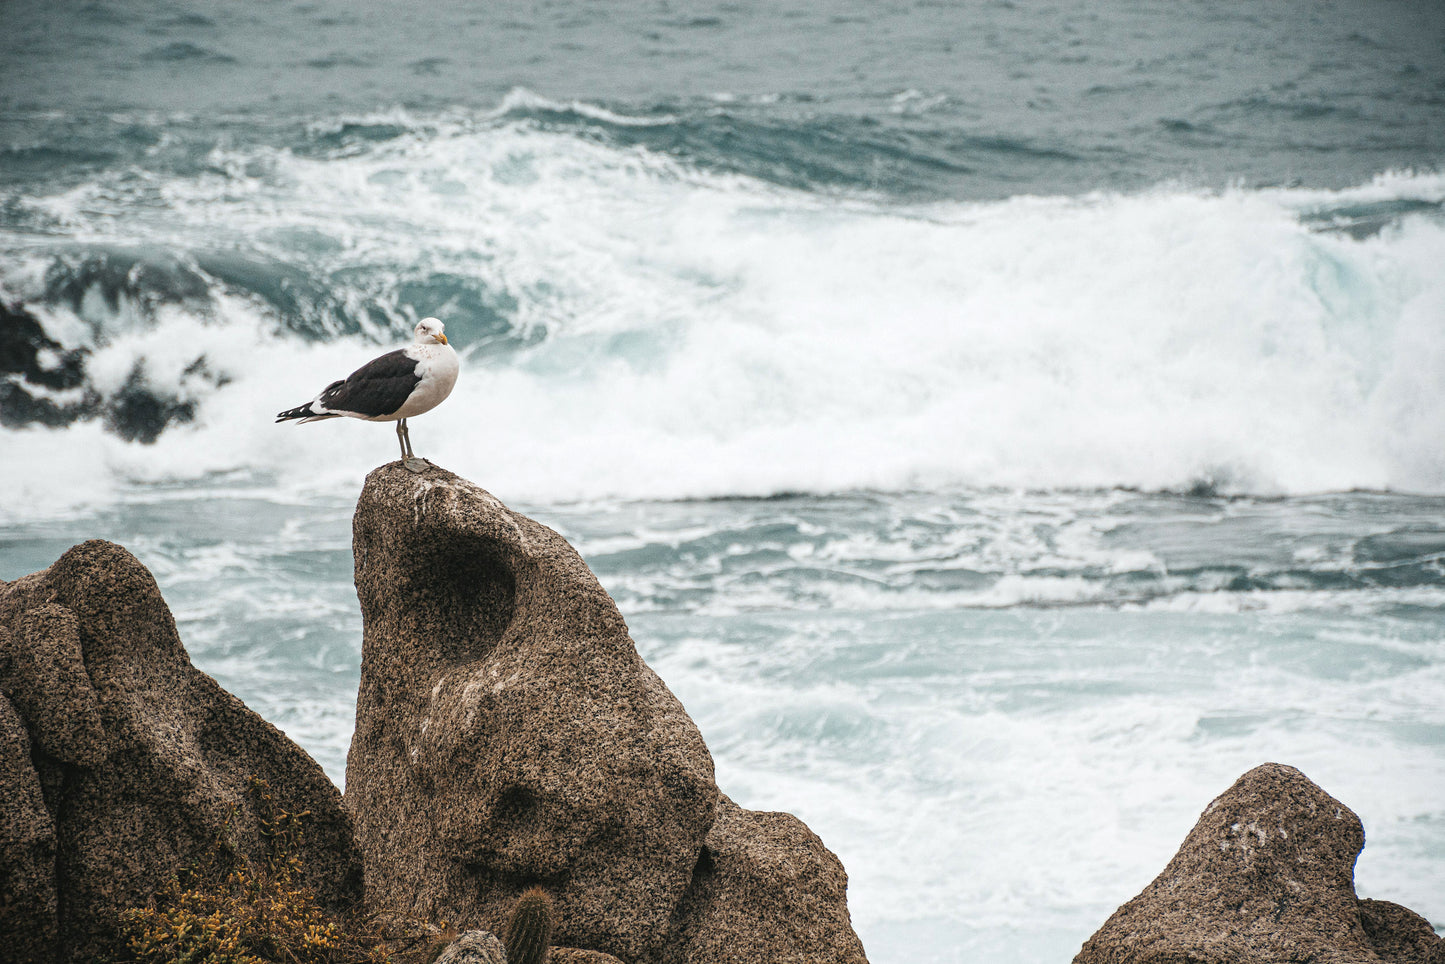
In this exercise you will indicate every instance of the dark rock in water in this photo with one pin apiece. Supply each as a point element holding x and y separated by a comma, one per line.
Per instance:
<point>23,339</point>
<point>1266,875</point>
<point>120,763</point>
<point>38,365</point>
<point>138,413</point>
<point>509,735</point>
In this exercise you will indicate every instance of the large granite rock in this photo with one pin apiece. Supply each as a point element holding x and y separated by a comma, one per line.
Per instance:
<point>508,735</point>
<point>766,890</point>
<point>121,763</point>
<point>1266,875</point>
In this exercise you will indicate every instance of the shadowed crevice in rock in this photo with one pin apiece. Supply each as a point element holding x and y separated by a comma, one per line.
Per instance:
<point>1267,874</point>
<point>508,735</point>
<point>465,597</point>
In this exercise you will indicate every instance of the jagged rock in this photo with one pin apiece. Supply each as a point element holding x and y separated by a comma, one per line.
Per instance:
<point>136,759</point>
<point>766,890</point>
<point>509,735</point>
<point>474,947</point>
<point>1266,875</point>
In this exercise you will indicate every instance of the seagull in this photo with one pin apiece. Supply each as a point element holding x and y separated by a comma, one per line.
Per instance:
<point>391,388</point>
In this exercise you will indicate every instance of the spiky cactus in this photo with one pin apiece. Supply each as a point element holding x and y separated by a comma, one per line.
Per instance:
<point>529,932</point>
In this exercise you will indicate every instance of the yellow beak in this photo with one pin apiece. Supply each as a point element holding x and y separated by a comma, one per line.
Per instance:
<point>442,339</point>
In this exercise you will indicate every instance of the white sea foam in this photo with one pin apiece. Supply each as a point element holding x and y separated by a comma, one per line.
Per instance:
<point>708,334</point>
<point>1045,768</point>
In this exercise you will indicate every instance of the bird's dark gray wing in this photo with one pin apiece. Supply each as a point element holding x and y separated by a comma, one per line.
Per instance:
<point>378,388</point>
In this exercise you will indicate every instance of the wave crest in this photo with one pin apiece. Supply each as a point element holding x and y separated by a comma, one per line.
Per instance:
<point>637,327</point>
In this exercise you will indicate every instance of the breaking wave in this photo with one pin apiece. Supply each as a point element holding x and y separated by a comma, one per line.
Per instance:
<point>637,326</point>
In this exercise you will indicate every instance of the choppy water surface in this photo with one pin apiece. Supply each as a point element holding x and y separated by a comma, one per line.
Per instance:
<point>1002,424</point>
<point>973,99</point>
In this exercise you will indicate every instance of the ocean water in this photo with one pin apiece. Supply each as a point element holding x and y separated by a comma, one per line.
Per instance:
<point>1001,424</point>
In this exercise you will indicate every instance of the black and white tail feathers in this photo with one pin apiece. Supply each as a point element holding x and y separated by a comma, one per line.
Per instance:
<point>307,411</point>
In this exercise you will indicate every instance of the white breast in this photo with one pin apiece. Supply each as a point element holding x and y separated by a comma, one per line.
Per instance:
<point>437,365</point>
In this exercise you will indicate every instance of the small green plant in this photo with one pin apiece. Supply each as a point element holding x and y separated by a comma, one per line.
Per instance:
<point>529,931</point>
<point>226,909</point>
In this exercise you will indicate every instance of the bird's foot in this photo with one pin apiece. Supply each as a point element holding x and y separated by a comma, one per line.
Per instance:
<point>414,464</point>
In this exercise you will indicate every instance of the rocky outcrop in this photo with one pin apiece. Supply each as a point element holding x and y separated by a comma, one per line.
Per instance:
<point>1266,875</point>
<point>766,889</point>
<point>121,763</point>
<point>509,735</point>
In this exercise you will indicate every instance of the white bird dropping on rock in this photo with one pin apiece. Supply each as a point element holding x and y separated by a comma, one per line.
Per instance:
<point>391,388</point>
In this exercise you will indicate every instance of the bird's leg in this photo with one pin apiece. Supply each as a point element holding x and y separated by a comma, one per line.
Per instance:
<point>409,461</point>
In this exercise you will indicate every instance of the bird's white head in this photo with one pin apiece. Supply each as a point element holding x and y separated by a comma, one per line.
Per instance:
<point>429,332</point>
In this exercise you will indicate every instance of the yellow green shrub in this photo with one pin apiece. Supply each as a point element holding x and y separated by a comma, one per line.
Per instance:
<point>228,909</point>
